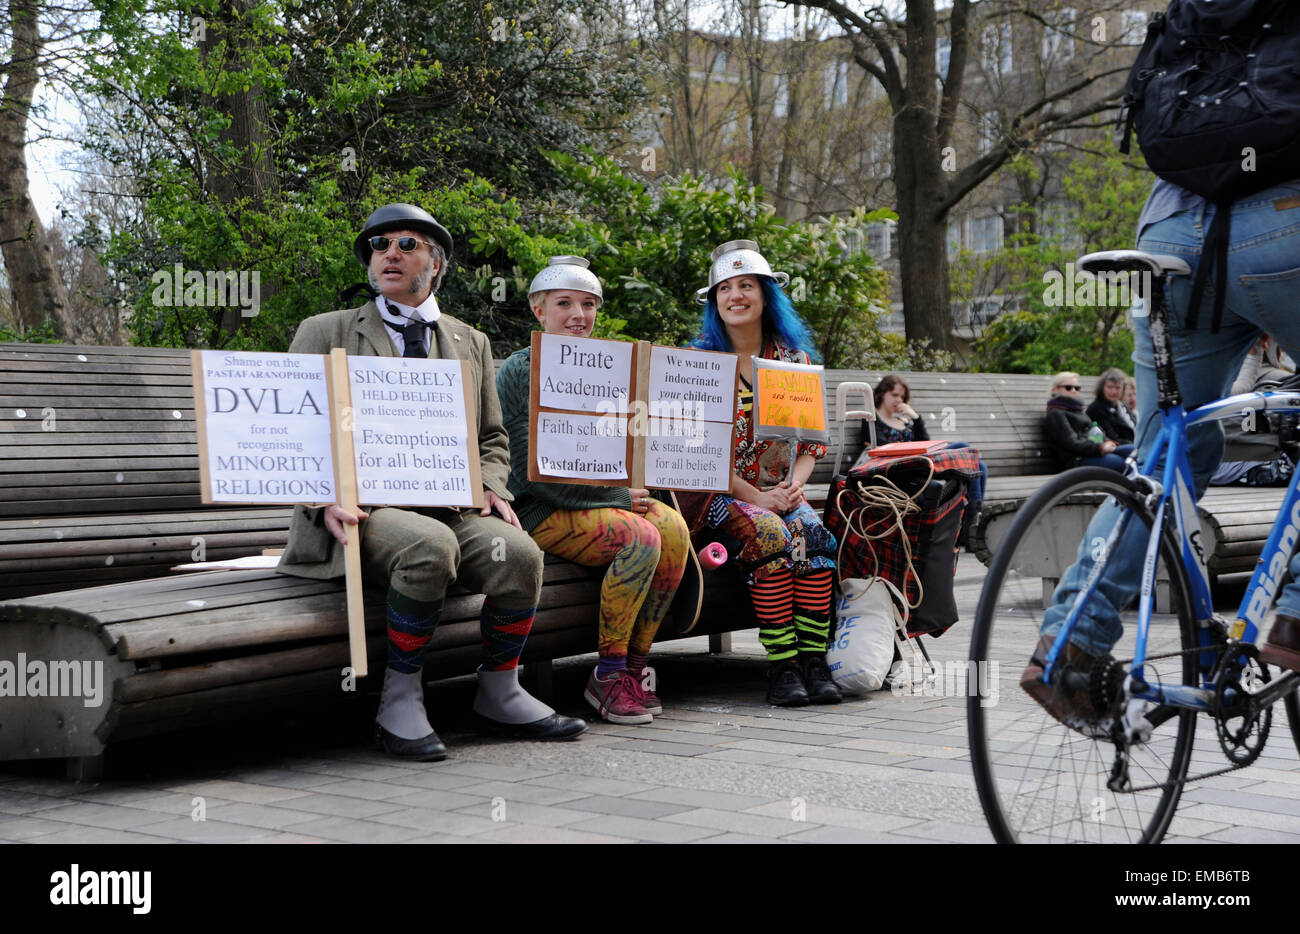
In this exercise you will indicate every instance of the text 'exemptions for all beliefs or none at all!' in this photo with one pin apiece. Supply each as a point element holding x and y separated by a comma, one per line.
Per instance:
<point>263,427</point>
<point>412,434</point>
<point>622,414</point>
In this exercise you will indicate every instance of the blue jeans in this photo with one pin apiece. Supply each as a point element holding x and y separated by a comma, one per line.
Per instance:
<point>1262,290</point>
<point>1112,461</point>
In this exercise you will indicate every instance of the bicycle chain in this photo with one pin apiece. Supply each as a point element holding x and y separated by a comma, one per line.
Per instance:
<point>1189,778</point>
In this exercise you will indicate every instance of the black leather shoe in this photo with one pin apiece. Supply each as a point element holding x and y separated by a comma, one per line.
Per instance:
<point>785,685</point>
<point>425,749</point>
<point>1282,647</point>
<point>817,680</point>
<point>553,727</point>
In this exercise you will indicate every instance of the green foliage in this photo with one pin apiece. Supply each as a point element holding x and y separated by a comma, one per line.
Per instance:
<point>651,251</point>
<point>1062,327</point>
<point>362,103</point>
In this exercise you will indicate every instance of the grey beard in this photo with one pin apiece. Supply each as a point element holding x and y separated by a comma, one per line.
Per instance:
<point>419,285</point>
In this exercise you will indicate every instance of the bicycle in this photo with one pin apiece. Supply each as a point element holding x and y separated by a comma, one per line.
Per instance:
<point>1039,780</point>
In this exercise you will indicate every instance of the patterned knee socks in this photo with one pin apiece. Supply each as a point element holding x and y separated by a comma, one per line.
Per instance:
<point>411,624</point>
<point>772,605</point>
<point>812,611</point>
<point>504,634</point>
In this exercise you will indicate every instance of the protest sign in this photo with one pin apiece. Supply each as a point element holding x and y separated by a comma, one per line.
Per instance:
<point>411,432</point>
<point>789,401</point>
<point>263,427</point>
<point>637,415</point>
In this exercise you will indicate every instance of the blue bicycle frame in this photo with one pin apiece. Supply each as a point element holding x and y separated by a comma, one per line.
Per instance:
<point>1177,487</point>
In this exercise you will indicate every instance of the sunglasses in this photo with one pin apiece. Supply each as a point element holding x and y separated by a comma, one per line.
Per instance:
<point>1071,388</point>
<point>405,244</point>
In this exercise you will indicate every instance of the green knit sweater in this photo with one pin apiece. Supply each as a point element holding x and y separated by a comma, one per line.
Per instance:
<point>535,501</point>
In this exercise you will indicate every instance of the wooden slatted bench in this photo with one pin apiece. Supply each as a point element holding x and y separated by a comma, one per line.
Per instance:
<point>99,485</point>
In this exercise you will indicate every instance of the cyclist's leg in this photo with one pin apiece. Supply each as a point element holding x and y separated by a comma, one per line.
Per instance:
<point>1206,364</point>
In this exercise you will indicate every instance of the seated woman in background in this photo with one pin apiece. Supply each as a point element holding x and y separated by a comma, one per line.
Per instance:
<point>896,420</point>
<point>1108,410</point>
<point>1066,428</point>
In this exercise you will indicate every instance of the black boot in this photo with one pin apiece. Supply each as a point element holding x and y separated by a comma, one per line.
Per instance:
<point>785,685</point>
<point>817,680</point>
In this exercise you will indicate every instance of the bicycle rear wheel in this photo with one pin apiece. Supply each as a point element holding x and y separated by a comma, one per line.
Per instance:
<point>1038,780</point>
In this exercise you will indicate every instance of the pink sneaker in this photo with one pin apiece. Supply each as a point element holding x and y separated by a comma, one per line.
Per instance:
<point>617,698</point>
<point>649,699</point>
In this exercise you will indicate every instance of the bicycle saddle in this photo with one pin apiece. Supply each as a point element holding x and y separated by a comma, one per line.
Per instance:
<point>1133,261</point>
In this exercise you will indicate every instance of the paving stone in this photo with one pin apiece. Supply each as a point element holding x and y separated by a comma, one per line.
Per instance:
<point>78,836</point>
<point>247,792</point>
<point>525,833</point>
<point>425,821</point>
<point>848,818</point>
<point>522,812</point>
<point>339,806</point>
<point>288,778</point>
<point>843,835</point>
<point>517,792</point>
<point>205,831</point>
<point>698,798</point>
<point>742,838</point>
<point>736,822</point>
<point>90,814</point>
<point>948,832</point>
<point>591,785</point>
<point>505,773</point>
<point>664,749</point>
<point>347,830</point>
<point>371,791</point>
<point>25,829</point>
<point>24,802</point>
<point>625,807</point>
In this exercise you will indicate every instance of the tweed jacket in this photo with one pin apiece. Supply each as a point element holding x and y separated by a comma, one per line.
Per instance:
<point>312,551</point>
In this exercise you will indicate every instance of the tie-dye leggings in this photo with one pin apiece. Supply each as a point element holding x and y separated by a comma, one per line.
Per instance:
<point>646,557</point>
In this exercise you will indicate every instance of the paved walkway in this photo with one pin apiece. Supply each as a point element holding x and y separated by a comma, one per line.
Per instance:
<point>719,766</point>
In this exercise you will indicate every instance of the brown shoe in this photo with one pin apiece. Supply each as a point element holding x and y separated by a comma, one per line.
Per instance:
<point>1068,705</point>
<point>1282,647</point>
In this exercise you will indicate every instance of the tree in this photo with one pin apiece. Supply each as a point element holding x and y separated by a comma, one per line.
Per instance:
<point>1066,323</point>
<point>40,298</point>
<point>650,248</point>
<point>929,177</point>
<point>261,133</point>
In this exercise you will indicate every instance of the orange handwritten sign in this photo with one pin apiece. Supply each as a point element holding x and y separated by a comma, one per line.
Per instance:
<point>791,399</point>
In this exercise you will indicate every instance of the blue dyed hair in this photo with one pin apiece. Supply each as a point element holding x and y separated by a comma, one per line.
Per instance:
<point>779,320</point>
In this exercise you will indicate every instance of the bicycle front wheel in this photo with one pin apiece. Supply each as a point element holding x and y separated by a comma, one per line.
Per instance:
<point>1038,780</point>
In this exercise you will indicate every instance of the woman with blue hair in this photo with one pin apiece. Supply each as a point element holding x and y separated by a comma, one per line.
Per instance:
<point>766,525</point>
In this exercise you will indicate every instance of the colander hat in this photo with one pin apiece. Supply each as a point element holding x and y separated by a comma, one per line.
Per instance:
<point>567,272</point>
<point>737,258</point>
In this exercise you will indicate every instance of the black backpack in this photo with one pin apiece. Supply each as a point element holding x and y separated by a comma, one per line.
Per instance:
<point>1215,99</point>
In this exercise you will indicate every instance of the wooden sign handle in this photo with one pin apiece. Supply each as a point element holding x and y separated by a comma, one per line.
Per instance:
<point>346,466</point>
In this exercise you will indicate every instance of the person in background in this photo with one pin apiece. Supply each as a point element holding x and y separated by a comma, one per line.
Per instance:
<point>1254,457</point>
<point>896,421</point>
<point>1066,428</point>
<point>1107,408</point>
<point>641,540</point>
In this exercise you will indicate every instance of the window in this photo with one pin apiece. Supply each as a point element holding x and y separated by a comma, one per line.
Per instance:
<point>943,51</point>
<point>781,102</point>
<point>988,129</point>
<point>1135,26</point>
<point>719,63</point>
<point>880,237</point>
<point>995,49</point>
<point>954,238</point>
<point>836,77</point>
<point>1057,38</point>
<point>880,152</point>
<point>985,233</point>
